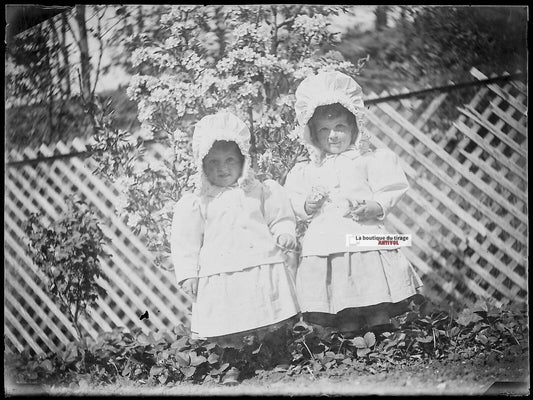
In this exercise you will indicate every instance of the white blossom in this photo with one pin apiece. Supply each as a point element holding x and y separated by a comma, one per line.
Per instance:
<point>225,84</point>
<point>179,136</point>
<point>265,159</point>
<point>146,110</point>
<point>285,100</point>
<point>248,89</point>
<point>140,166</point>
<point>121,202</point>
<point>168,208</point>
<point>133,90</point>
<point>210,102</point>
<point>296,133</point>
<point>158,165</point>
<point>242,29</point>
<point>165,153</point>
<point>138,56</point>
<point>271,121</point>
<point>123,183</point>
<point>172,42</point>
<point>252,33</point>
<point>159,95</point>
<point>243,54</point>
<point>192,61</point>
<point>311,25</point>
<point>267,61</point>
<point>303,72</point>
<point>264,33</point>
<point>133,220</point>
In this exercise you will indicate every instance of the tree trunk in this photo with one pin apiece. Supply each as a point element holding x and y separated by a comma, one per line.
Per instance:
<point>274,45</point>
<point>57,65</point>
<point>381,17</point>
<point>220,31</point>
<point>85,59</point>
<point>253,149</point>
<point>140,20</point>
<point>64,51</point>
<point>49,98</point>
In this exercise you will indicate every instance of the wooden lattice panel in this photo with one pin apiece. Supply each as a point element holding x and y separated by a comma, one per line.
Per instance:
<point>132,282</point>
<point>467,214</point>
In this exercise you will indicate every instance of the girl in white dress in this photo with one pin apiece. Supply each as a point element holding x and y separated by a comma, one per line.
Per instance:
<point>344,190</point>
<point>230,239</point>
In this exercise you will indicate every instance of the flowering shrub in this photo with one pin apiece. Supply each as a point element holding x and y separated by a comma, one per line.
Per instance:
<point>68,252</point>
<point>205,59</point>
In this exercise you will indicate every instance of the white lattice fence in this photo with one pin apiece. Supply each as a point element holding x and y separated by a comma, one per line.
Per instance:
<point>467,206</point>
<point>133,284</point>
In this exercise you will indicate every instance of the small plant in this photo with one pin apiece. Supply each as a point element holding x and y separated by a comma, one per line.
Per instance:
<point>67,252</point>
<point>364,344</point>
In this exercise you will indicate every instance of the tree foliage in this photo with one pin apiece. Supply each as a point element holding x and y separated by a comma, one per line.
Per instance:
<point>44,64</point>
<point>34,76</point>
<point>465,37</point>
<point>434,44</point>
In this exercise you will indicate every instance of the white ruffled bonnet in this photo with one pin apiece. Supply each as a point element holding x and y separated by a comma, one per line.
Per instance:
<point>221,126</point>
<point>329,88</point>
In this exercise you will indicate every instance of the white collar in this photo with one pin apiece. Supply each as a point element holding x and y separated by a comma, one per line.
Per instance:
<point>351,152</point>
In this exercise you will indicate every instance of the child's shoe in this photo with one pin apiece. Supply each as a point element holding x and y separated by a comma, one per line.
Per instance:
<point>379,321</point>
<point>349,324</point>
<point>349,331</point>
<point>231,377</point>
<point>380,329</point>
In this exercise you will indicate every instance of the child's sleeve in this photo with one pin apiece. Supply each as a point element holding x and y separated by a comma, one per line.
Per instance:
<point>277,209</point>
<point>294,185</point>
<point>186,237</point>
<point>387,179</point>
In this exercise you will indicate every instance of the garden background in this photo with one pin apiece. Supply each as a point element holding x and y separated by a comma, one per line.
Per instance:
<point>445,88</point>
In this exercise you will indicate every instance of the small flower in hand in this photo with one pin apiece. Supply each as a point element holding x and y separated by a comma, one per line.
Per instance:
<point>314,201</point>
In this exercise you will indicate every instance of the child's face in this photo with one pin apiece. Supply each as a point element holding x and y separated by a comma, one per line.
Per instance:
<point>334,134</point>
<point>223,164</point>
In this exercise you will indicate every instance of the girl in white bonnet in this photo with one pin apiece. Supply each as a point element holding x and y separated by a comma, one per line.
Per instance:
<point>345,189</point>
<point>229,239</point>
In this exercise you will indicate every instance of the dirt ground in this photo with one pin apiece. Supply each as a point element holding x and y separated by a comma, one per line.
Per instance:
<point>475,377</point>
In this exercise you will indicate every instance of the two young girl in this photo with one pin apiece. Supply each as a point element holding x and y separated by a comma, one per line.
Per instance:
<point>231,239</point>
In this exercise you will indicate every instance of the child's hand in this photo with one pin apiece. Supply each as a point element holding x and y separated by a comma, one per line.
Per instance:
<point>288,244</point>
<point>314,202</point>
<point>286,241</point>
<point>190,286</point>
<point>367,210</point>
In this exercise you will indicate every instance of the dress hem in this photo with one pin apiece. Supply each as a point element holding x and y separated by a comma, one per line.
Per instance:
<point>217,335</point>
<point>308,306</point>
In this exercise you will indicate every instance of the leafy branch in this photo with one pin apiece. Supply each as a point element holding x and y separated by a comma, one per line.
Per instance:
<point>68,252</point>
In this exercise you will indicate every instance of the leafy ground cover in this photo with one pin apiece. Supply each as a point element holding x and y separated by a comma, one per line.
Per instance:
<point>430,351</point>
<point>472,377</point>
